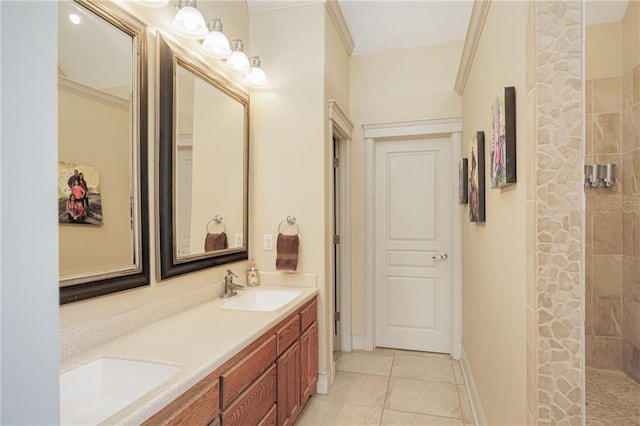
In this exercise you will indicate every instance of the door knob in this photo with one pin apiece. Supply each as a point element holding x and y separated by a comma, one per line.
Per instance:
<point>441,256</point>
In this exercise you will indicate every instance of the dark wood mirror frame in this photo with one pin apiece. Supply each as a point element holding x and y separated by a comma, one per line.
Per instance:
<point>140,277</point>
<point>168,265</point>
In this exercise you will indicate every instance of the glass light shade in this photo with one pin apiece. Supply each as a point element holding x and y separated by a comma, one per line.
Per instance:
<point>238,61</point>
<point>216,43</point>
<point>257,77</point>
<point>153,3</point>
<point>189,23</point>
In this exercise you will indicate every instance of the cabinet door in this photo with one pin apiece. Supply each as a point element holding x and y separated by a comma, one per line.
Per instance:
<point>308,362</point>
<point>289,385</point>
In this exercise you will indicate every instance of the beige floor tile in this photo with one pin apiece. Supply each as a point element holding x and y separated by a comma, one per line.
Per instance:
<point>465,405</point>
<point>418,396</point>
<point>359,389</point>
<point>377,362</point>
<point>323,413</point>
<point>457,372</point>
<point>423,368</point>
<point>391,417</point>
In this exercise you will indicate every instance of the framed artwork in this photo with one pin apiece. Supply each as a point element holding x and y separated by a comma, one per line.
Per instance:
<point>79,200</point>
<point>463,175</point>
<point>476,178</point>
<point>503,139</point>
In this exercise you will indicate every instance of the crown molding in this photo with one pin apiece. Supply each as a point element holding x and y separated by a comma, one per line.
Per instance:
<point>257,6</point>
<point>335,12</point>
<point>476,24</point>
<point>70,86</point>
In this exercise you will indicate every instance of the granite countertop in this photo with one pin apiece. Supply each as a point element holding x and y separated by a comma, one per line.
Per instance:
<point>197,340</point>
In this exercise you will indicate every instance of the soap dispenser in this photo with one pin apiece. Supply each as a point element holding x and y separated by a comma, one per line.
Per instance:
<point>253,278</point>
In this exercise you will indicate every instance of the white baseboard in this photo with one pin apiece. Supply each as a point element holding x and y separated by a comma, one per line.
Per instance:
<point>323,384</point>
<point>362,343</point>
<point>472,392</point>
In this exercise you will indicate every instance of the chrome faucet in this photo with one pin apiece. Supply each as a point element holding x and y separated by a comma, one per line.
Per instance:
<point>229,286</point>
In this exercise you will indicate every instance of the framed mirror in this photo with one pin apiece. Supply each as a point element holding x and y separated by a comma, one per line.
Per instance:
<point>203,166</point>
<point>102,150</point>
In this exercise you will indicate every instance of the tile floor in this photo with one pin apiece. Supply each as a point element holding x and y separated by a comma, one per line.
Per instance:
<point>392,387</point>
<point>612,399</point>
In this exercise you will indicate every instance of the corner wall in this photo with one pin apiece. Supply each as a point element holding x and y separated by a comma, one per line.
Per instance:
<point>29,246</point>
<point>494,253</point>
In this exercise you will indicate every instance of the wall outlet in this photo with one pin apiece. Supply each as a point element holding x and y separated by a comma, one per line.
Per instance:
<point>237,240</point>
<point>268,242</point>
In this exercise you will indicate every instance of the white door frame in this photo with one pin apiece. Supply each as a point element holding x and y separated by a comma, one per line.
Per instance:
<point>452,128</point>
<point>341,127</point>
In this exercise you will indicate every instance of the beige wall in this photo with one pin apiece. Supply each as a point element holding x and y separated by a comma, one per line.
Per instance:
<point>408,84</point>
<point>494,253</point>
<point>290,150</point>
<point>94,130</point>
<point>235,18</point>
<point>603,56</point>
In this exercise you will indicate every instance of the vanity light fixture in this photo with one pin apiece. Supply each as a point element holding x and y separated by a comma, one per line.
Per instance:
<point>238,61</point>
<point>75,19</point>
<point>189,21</point>
<point>257,77</point>
<point>216,43</point>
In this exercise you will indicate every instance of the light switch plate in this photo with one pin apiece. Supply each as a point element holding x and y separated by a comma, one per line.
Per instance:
<point>237,240</point>
<point>268,242</point>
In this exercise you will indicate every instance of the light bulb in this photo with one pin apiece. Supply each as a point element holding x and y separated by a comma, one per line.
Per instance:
<point>75,19</point>
<point>189,22</point>
<point>216,43</point>
<point>238,61</point>
<point>257,77</point>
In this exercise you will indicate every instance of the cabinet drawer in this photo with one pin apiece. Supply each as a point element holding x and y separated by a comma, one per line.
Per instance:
<point>308,314</point>
<point>254,403</point>
<point>271,418</point>
<point>238,377</point>
<point>288,333</point>
<point>197,406</point>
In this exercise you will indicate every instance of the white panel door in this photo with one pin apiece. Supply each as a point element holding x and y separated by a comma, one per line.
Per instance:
<point>413,196</point>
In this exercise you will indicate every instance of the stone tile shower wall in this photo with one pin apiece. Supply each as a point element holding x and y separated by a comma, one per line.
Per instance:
<point>630,149</point>
<point>612,303</point>
<point>555,213</point>
<point>603,257</point>
<point>612,124</point>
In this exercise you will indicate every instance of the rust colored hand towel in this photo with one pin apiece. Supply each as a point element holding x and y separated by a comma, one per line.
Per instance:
<point>215,242</point>
<point>287,256</point>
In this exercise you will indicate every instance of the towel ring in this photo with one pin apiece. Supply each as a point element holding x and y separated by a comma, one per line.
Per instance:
<point>291,220</point>
<point>217,219</point>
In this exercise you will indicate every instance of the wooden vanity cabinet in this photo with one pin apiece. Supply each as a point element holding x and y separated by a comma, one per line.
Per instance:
<point>266,384</point>
<point>297,364</point>
<point>197,406</point>
<point>308,363</point>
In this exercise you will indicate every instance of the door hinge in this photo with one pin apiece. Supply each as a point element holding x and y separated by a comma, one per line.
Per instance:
<point>336,316</point>
<point>336,163</point>
<point>336,239</point>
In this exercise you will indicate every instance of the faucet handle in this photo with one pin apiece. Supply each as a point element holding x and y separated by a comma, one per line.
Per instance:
<point>231,273</point>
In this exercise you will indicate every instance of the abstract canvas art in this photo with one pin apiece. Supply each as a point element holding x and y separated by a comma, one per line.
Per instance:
<point>503,139</point>
<point>476,178</point>
<point>463,187</point>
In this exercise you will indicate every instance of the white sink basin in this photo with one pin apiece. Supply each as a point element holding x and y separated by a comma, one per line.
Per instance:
<point>261,300</point>
<point>95,391</point>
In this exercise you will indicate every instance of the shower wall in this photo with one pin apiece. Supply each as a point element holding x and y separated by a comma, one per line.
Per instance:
<point>613,214</point>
